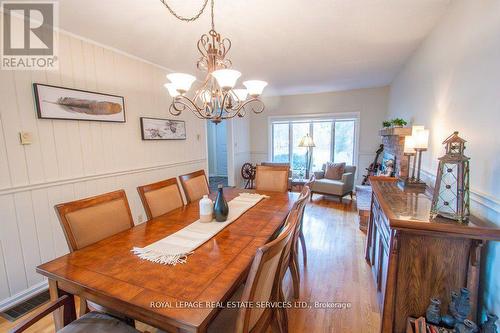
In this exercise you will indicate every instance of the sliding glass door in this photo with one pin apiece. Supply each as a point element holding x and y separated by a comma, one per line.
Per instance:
<point>334,141</point>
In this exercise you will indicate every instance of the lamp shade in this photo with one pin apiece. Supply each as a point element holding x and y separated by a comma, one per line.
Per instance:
<point>409,147</point>
<point>416,128</point>
<point>255,87</point>
<point>182,82</point>
<point>306,141</point>
<point>421,139</point>
<point>172,90</point>
<point>226,78</point>
<point>241,94</point>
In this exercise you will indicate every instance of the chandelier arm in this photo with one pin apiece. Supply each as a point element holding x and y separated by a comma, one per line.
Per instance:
<point>188,19</point>
<point>253,101</point>
<point>184,102</point>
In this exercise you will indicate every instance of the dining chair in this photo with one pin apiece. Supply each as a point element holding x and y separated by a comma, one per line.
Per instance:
<point>195,185</point>
<point>300,206</point>
<point>261,286</point>
<point>161,197</point>
<point>302,238</point>
<point>272,178</point>
<point>87,221</point>
<point>90,322</point>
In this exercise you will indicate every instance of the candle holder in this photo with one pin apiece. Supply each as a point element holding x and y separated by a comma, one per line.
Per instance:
<point>414,146</point>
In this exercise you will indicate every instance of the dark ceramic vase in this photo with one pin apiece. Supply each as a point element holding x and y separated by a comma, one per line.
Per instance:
<point>433,313</point>
<point>467,326</point>
<point>489,325</point>
<point>221,209</point>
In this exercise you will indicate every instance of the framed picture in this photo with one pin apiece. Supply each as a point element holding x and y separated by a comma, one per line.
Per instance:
<point>162,129</point>
<point>64,103</point>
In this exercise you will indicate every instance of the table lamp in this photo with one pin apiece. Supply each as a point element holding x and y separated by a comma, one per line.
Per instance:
<point>308,143</point>
<point>414,145</point>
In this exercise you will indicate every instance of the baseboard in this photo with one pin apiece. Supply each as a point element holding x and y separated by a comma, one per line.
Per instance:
<point>23,295</point>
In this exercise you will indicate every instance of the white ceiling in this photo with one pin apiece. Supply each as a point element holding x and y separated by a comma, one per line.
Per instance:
<point>298,46</point>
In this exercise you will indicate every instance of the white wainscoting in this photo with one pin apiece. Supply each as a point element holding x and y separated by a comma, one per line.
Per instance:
<point>74,159</point>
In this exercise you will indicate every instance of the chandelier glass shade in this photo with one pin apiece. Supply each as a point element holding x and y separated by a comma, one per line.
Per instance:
<point>217,98</point>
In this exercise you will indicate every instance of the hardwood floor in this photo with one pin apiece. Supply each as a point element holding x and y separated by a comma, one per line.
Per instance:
<point>336,272</point>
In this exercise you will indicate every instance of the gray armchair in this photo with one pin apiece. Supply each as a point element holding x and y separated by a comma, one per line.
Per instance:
<point>338,188</point>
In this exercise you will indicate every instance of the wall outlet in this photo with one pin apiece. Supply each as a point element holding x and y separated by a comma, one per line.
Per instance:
<point>26,138</point>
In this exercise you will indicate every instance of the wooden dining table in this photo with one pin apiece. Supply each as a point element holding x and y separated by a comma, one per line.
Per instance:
<point>181,298</point>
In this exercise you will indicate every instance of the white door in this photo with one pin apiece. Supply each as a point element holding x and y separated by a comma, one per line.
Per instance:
<point>221,148</point>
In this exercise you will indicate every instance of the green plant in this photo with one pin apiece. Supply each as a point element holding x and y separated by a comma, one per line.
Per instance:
<point>399,122</point>
<point>386,123</point>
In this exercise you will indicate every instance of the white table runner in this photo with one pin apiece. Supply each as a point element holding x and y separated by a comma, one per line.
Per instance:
<point>175,248</point>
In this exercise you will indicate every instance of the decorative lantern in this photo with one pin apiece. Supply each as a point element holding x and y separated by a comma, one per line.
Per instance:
<point>451,192</point>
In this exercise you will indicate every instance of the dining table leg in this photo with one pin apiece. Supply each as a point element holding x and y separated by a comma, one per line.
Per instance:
<point>65,315</point>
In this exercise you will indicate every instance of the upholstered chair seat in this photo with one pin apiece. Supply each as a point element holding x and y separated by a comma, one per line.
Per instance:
<point>97,322</point>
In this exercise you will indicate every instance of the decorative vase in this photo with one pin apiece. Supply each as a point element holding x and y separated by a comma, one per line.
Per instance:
<point>489,325</point>
<point>462,305</point>
<point>221,209</point>
<point>206,209</point>
<point>467,326</point>
<point>433,313</point>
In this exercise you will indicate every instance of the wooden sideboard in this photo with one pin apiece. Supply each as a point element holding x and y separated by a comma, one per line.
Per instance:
<point>414,258</point>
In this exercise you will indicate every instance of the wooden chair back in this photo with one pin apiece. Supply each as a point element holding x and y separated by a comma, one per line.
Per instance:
<point>90,220</point>
<point>161,197</point>
<point>272,178</point>
<point>294,218</point>
<point>195,185</point>
<point>261,284</point>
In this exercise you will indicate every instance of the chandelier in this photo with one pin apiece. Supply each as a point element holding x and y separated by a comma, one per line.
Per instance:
<point>217,98</point>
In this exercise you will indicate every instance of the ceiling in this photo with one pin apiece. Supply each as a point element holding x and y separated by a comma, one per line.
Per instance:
<point>298,46</point>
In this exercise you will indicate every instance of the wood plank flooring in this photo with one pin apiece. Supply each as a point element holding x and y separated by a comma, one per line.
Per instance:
<point>336,272</point>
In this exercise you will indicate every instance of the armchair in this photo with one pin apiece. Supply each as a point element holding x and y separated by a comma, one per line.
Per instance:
<point>338,188</point>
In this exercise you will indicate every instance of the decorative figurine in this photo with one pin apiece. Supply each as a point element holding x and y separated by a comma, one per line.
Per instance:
<point>433,313</point>
<point>468,326</point>
<point>489,325</point>
<point>451,190</point>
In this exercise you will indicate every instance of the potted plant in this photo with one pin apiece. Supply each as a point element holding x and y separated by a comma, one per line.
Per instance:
<point>398,122</point>
<point>386,124</point>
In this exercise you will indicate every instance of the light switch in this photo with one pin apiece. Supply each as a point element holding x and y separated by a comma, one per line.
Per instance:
<point>26,138</point>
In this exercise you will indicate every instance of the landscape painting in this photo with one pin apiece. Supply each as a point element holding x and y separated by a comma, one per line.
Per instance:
<point>65,103</point>
<point>162,129</point>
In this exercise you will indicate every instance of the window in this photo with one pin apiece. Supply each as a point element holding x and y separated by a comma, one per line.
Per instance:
<point>334,139</point>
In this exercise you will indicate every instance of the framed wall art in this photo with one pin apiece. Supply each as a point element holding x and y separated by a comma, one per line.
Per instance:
<point>54,102</point>
<point>162,129</point>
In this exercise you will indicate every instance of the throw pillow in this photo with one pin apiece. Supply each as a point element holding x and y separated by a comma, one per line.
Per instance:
<point>334,171</point>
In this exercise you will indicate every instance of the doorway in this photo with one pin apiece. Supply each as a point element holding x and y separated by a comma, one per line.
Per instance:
<point>217,140</point>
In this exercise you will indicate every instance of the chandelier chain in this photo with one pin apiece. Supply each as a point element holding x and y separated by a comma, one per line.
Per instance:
<point>192,18</point>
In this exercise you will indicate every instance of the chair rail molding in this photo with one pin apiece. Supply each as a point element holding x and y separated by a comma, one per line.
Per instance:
<point>71,180</point>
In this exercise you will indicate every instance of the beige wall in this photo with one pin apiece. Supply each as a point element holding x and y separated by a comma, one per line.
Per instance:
<point>371,104</point>
<point>453,83</point>
<point>75,159</point>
